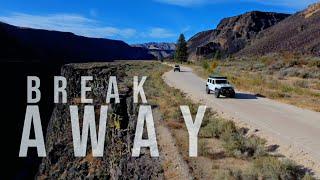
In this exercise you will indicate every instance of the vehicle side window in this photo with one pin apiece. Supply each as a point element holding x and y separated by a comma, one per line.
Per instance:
<point>212,81</point>
<point>208,80</point>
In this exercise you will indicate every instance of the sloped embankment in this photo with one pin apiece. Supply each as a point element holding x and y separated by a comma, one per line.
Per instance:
<point>298,33</point>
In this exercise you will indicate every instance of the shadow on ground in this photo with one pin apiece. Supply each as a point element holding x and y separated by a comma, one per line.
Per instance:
<point>245,96</point>
<point>185,71</point>
<point>241,96</point>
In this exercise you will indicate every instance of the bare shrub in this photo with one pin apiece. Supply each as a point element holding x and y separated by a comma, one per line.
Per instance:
<point>299,72</point>
<point>301,83</point>
<point>238,145</point>
<point>203,148</point>
<point>228,175</point>
<point>314,63</point>
<point>273,168</point>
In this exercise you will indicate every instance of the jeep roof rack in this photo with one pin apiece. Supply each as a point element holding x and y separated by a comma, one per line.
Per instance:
<point>217,77</point>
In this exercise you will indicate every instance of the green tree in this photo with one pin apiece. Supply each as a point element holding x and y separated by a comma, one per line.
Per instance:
<point>182,50</point>
<point>217,54</point>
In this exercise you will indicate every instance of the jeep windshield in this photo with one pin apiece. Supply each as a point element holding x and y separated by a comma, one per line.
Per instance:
<point>221,81</point>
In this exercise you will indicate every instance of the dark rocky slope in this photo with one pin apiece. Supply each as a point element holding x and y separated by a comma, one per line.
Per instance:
<point>14,98</point>
<point>232,34</point>
<point>25,44</point>
<point>41,53</point>
<point>298,33</point>
<point>117,162</point>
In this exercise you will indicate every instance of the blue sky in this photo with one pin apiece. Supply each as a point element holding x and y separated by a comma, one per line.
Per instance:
<point>134,21</point>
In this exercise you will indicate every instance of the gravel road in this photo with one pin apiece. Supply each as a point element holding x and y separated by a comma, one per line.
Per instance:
<point>296,130</point>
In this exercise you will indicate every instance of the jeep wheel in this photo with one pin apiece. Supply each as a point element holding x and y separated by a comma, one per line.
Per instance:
<point>232,95</point>
<point>217,93</point>
<point>207,90</point>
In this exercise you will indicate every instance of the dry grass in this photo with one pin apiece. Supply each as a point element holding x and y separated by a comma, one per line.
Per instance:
<point>174,125</point>
<point>223,148</point>
<point>287,78</point>
<point>168,101</point>
<point>312,10</point>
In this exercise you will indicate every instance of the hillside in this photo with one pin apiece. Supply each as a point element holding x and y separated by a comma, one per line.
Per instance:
<point>232,34</point>
<point>298,33</point>
<point>159,50</point>
<point>21,44</point>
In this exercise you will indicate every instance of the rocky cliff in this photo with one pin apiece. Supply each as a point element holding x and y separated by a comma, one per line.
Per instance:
<point>117,162</point>
<point>159,50</point>
<point>300,33</point>
<point>232,34</point>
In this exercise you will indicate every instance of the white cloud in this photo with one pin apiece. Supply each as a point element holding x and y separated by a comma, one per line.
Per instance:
<point>286,3</point>
<point>160,33</point>
<point>186,29</point>
<point>83,26</point>
<point>77,24</point>
<point>184,2</point>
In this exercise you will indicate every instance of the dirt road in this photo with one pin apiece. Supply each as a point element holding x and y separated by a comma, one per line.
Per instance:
<point>296,130</point>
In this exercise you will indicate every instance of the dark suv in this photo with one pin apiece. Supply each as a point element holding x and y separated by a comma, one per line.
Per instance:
<point>176,68</point>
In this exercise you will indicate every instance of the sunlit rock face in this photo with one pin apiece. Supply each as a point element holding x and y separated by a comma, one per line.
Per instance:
<point>232,34</point>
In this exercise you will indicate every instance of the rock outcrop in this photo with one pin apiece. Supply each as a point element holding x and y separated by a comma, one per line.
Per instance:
<point>300,33</point>
<point>159,50</point>
<point>232,34</point>
<point>117,162</point>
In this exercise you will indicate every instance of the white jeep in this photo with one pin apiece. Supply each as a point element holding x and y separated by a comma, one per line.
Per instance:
<point>220,86</point>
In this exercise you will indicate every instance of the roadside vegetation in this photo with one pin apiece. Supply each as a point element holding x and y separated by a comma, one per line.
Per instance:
<point>225,151</point>
<point>288,78</point>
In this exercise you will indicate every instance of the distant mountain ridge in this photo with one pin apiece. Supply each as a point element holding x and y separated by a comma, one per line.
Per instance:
<point>155,45</point>
<point>160,50</point>
<point>232,34</point>
<point>23,44</point>
<point>299,33</point>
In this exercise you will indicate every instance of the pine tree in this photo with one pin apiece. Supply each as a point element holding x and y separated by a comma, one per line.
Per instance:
<point>181,50</point>
<point>217,54</point>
